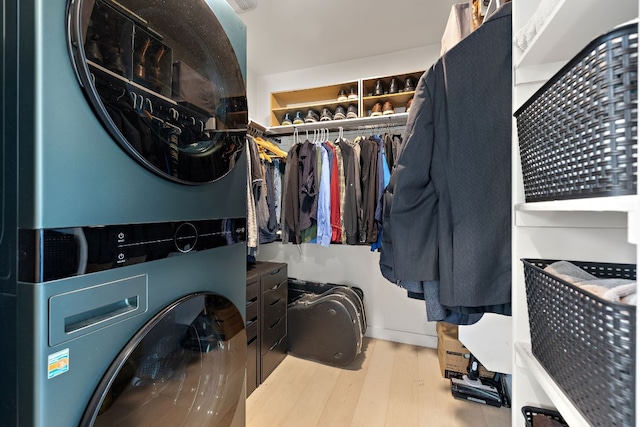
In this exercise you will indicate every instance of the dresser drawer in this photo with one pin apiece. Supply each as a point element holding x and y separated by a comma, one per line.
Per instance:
<point>275,294</point>
<point>272,312</point>
<point>272,333</point>
<point>253,289</point>
<point>272,358</point>
<point>274,277</point>
<point>252,311</point>
<point>252,366</point>
<point>252,329</point>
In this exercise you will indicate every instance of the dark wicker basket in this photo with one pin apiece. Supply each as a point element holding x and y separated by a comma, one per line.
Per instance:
<point>529,412</point>
<point>585,343</point>
<point>578,133</point>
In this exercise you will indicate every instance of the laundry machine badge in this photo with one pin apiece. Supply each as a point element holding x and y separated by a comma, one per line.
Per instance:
<point>57,363</point>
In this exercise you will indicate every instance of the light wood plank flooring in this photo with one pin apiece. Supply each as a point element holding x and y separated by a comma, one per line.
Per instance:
<point>390,384</point>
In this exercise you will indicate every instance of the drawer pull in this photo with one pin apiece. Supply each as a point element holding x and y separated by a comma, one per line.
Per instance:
<point>274,272</point>
<point>276,324</point>
<point>252,340</point>
<point>275,302</point>
<point>276,286</point>
<point>276,344</point>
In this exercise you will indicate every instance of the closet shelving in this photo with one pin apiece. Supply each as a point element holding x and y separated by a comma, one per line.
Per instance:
<point>313,98</point>
<point>603,229</point>
<point>399,100</point>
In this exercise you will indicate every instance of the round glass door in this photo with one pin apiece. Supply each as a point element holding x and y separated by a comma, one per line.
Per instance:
<point>186,367</point>
<point>165,81</point>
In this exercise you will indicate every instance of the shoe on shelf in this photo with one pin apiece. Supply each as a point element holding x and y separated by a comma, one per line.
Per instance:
<point>387,108</point>
<point>352,111</point>
<point>326,115</point>
<point>376,110</point>
<point>353,94</point>
<point>379,88</point>
<point>393,86</point>
<point>340,113</point>
<point>286,120</point>
<point>409,102</point>
<point>312,116</point>
<point>408,85</point>
<point>298,119</point>
<point>342,95</point>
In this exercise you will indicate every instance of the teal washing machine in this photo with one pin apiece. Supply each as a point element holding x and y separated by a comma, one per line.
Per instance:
<point>122,234</point>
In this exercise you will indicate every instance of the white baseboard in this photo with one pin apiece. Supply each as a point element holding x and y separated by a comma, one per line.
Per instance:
<point>402,337</point>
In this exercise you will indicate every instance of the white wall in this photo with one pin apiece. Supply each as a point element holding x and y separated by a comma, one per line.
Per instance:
<point>390,313</point>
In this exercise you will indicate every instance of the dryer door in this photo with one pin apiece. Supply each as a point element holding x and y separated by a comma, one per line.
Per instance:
<point>184,367</point>
<point>164,80</point>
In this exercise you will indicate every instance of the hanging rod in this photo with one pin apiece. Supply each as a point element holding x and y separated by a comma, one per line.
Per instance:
<point>346,124</point>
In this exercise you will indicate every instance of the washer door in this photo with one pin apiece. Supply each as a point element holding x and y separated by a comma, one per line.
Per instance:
<point>184,367</point>
<point>164,80</point>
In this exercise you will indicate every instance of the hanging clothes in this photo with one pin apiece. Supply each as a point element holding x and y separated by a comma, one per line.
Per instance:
<point>369,182</point>
<point>352,212</point>
<point>447,209</point>
<point>323,235</point>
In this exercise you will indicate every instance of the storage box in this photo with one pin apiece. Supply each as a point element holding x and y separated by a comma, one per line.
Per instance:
<point>452,355</point>
<point>585,343</point>
<point>578,133</point>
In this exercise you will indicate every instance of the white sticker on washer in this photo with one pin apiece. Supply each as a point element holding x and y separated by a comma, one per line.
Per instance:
<point>58,363</point>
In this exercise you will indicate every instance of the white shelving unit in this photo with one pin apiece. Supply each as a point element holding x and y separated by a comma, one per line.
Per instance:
<point>598,229</point>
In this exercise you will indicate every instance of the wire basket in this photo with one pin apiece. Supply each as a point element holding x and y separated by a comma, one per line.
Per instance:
<point>529,412</point>
<point>578,133</point>
<point>585,343</point>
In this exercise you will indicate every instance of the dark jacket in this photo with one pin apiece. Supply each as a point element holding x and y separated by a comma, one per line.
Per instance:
<point>447,209</point>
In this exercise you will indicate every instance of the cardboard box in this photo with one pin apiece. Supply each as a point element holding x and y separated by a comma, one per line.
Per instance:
<point>452,355</point>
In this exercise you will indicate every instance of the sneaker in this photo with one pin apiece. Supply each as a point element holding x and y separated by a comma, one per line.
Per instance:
<point>342,95</point>
<point>353,94</point>
<point>379,88</point>
<point>376,110</point>
<point>286,121</point>
<point>387,108</point>
<point>352,112</point>
<point>298,120</point>
<point>326,115</point>
<point>393,86</point>
<point>408,85</point>
<point>312,116</point>
<point>340,114</point>
<point>409,102</point>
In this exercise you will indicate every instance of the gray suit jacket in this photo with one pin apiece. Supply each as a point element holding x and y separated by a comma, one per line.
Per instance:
<point>447,209</point>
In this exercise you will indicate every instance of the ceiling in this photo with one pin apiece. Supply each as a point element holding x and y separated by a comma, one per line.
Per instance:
<point>286,35</point>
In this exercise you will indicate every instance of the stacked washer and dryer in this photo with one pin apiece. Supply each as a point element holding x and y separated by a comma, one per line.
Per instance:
<point>122,235</point>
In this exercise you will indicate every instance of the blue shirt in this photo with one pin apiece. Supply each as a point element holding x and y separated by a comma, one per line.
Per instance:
<point>324,201</point>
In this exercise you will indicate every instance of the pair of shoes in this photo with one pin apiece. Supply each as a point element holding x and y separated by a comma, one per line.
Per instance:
<point>393,86</point>
<point>379,88</point>
<point>287,120</point>
<point>408,85</point>
<point>342,95</point>
<point>326,115</point>
<point>298,120</point>
<point>312,116</point>
<point>387,108</point>
<point>352,112</point>
<point>408,106</point>
<point>340,113</point>
<point>376,110</point>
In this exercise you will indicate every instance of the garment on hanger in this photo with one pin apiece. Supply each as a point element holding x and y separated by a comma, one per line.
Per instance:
<point>447,208</point>
<point>458,26</point>
<point>323,236</point>
<point>352,212</point>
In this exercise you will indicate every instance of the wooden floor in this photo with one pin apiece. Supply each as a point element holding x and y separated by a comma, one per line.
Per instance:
<point>390,384</point>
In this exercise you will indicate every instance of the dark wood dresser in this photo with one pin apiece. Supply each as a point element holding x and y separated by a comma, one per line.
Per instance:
<point>266,320</point>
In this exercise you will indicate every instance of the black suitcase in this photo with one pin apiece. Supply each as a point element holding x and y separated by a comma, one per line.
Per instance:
<point>326,322</point>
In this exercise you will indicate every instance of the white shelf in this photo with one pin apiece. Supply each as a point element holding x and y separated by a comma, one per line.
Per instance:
<point>572,25</point>
<point>595,204</point>
<point>347,124</point>
<point>569,412</point>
